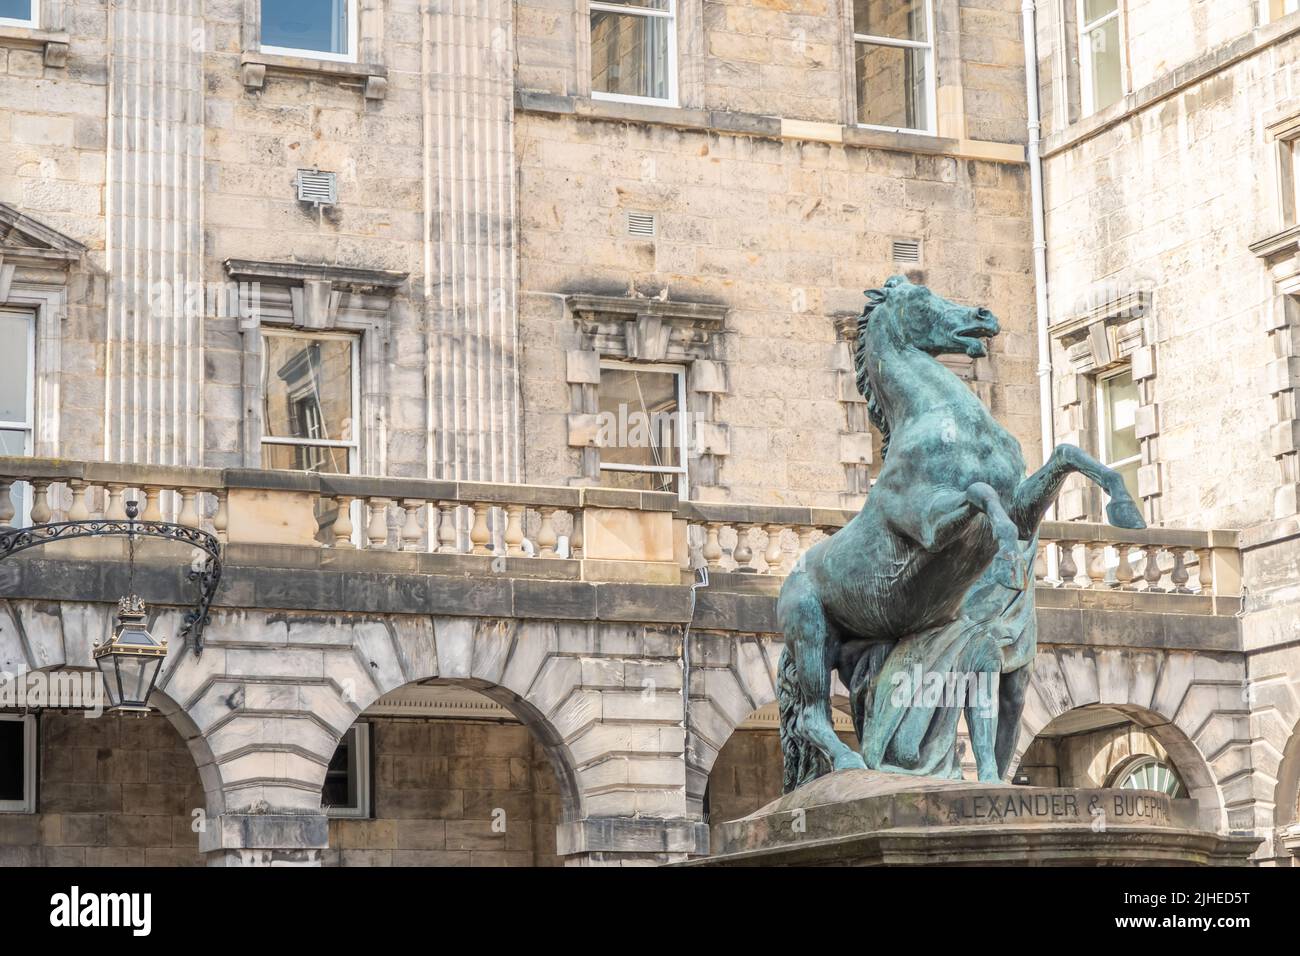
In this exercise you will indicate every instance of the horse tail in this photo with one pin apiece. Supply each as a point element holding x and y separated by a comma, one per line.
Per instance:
<point>801,761</point>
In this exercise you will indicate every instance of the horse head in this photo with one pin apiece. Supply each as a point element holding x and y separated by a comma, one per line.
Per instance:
<point>904,315</point>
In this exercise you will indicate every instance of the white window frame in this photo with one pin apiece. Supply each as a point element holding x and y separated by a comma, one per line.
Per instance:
<point>33,23</point>
<point>931,80</point>
<point>354,444</point>
<point>627,9</point>
<point>22,516</point>
<point>354,20</point>
<point>1085,54</point>
<point>1104,425</point>
<point>360,732</point>
<point>28,803</point>
<point>682,471</point>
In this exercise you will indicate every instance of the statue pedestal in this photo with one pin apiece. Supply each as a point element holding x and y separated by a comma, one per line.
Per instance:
<point>867,818</point>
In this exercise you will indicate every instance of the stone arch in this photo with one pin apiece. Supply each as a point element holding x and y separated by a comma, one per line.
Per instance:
<point>1286,793</point>
<point>1191,703</point>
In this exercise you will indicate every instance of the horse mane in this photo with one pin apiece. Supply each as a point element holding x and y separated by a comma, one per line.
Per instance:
<point>875,299</point>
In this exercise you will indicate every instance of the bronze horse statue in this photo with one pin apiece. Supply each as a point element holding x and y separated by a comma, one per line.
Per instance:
<point>936,569</point>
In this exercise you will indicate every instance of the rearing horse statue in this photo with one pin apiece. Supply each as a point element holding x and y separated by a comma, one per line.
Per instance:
<point>935,571</point>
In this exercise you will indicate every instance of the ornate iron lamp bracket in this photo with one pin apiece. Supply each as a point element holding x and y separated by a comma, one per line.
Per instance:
<point>207,575</point>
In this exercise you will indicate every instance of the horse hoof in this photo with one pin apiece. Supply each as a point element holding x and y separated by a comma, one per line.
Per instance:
<point>850,761</point>
<point>1124,514</point>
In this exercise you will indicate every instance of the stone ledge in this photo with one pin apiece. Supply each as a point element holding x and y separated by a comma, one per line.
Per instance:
<point>53,44</point>
<point>255,64</point>
<point>769,127</point>
<point>632,835</point>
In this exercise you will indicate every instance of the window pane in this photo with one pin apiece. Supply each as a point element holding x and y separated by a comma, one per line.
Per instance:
<point>327,460</point>
<point>638,417</point>
<point>307,387</point>
<point>899,19</point>
<point>1095,9</point>
<point>1103,44</point>
<point>1121,398</point>
<point>15,376</point>
<point>13,442</point>
<point>891,84</point>
<point>16,9</point>
<point>12,763</point>
<point>644,4</point>
<point>320,26</point>
<point>629,54</point>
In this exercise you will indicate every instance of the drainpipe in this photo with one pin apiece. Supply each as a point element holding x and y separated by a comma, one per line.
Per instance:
<point>1040,233</point>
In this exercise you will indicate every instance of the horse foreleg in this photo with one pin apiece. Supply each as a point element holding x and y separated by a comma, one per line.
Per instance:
<point>1036,493</point>
<point>1013,570</point>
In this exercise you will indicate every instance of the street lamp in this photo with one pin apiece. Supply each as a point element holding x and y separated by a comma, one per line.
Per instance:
<point>129,661</point>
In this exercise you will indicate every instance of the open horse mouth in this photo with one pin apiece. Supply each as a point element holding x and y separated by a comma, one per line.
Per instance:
<point>972,337</point>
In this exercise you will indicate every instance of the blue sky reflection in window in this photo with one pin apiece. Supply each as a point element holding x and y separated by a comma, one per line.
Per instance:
<point>315,26</point>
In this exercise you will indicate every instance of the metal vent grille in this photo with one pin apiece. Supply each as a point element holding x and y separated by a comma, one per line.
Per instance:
<point>317,187</point>
<point>907,250</point>
<point>641,225</point>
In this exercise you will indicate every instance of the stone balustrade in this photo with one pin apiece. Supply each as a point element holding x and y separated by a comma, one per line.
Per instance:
<point>609,534</point>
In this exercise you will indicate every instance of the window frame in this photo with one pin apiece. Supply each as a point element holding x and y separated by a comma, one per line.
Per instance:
<point>33,23</point>
<point>360,732</point>
<point>1103,424</point>
<point>1087,104</point>
<point>30,766</point>
<point>683,471</point>
<point>931,62</point>
<point>1130,768</point>
<point>22,514</point>
<point>630,9</point>
<point>354,38</point>
<point>1266,13</point>
<point>353,445</point>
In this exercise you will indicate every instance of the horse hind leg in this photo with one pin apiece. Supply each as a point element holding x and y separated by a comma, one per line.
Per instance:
<point>808,640</point>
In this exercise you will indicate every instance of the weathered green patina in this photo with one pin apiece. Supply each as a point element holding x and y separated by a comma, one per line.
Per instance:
<point>923,603</point>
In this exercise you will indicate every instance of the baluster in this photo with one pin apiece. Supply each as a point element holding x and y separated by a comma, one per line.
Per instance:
<point>342,529</point>
<point>546,536</point>
<point>712,550</point>
<point>115,502</point>
<point>189,515</point>
<point>6,503</point>
<point>1151,573</point>
<point>1069,570</point>
<point>1040,562</point>
<point>479,536</point>
<point>221,517</point>
<point>1123,570</point>
<point>40,502</point>
<point>152,510</point>
<point>514,535</point>
<point>774,552</point>
<point>805,536</point>
<point>1095,564</point>
<point>80,490</point>
<point>411,524</point>
<point>1179,574</point>
<point>742,553</point>
<point>1205,570</point>
<point>377,531</point>
<point>575,537</point>
<point>447,541</point>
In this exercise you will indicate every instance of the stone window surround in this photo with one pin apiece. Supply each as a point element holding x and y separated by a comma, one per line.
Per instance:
<point>368,71</point>
<point>1281,255</point>
<point>35,266</point>
<point>322,299</point>
<point>50,34</point>
<point>652,331</point>
<point>1098,341</point>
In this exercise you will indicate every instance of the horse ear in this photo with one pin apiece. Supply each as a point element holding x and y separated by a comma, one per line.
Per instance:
<point>875,296</point>
<point>894,281</point>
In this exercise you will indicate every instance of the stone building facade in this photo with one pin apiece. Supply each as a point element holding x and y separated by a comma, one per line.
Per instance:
<point>360,298</point>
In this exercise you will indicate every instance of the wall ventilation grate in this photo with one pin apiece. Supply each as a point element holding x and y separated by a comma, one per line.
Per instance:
<point>907,250</point>
<point>641,225</point>
<point>317,187</point>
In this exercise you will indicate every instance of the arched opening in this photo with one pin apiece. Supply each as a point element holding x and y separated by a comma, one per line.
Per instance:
<point>747,773</point>
<point>444,772</point>
<point>1113,746</point>
<point>101,790</point>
